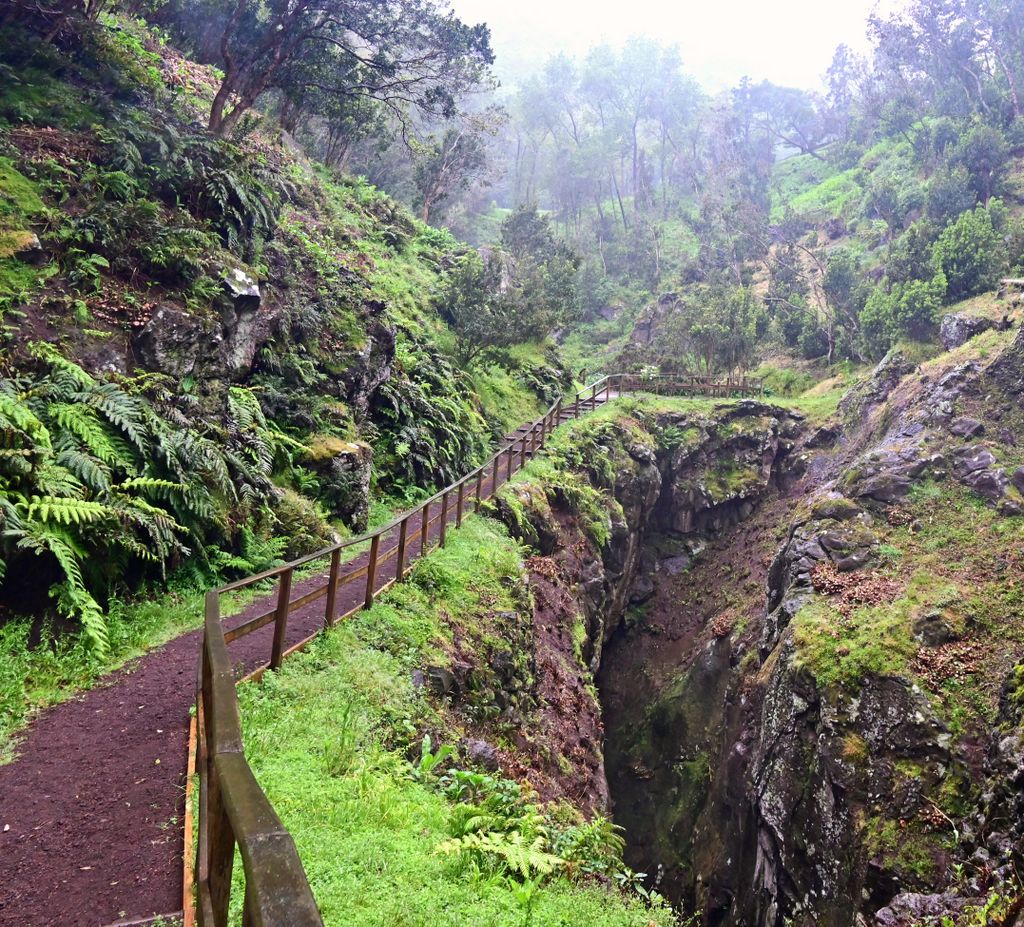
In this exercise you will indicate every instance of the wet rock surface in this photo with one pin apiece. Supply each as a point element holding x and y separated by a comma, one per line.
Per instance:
<point>956,329</point>
<point>755,793</point>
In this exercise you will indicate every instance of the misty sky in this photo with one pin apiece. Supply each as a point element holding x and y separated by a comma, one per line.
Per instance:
<point>788,41</point>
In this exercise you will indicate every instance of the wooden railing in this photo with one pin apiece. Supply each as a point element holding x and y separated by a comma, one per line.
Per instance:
<point>233,810</point>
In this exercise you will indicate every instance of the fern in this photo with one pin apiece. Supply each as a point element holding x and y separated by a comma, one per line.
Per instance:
<point>523,857</point>
<point>92,472</point>
<point>73,599</point>
<point>64,511</point>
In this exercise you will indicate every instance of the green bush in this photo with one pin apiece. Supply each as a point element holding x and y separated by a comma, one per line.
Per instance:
<point>970,252</point>
<point>907,310</point>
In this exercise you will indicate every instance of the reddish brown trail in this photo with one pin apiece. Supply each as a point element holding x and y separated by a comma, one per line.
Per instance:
<point>91,811</point>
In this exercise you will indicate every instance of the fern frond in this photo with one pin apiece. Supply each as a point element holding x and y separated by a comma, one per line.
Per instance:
<point>64,511</point>
<point>92,471</point>
<point>120,409</point>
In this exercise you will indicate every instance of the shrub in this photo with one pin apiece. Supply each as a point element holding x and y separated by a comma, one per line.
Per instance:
<point>949,193</point>
<point>907,310</point>
<point>970,253</point>
<point>911,254</point>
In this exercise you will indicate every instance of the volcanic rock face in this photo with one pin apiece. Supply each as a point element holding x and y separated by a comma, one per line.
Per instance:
<point>766,774</point>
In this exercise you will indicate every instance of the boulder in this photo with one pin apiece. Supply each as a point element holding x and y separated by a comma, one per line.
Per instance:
<point>372,365</point>
<point>885,487</point>
<point>483,754</point>
<point>966,427</point>
<point>915,908</point>
<point>967,460</point>
<point>933,629</point>
<point>344,469</point>
<point>179,343</point>
<point>239,308</point>
<point>825,436</point>
<point>28,248</point>
<point>956,329</point>
<point>989,483</point>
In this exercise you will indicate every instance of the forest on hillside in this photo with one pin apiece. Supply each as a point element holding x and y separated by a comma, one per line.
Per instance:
<point>623,218</point>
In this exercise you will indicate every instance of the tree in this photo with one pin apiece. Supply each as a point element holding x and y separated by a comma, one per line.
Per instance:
<point>713,328</point>
<point>403,53</point>
<point>793,117</point>
<point>910,257</point>
<point>949,193</point>
<point>521,293</point>
<point>905,310</point>
<point>984,154</point>
<point>454,160</point>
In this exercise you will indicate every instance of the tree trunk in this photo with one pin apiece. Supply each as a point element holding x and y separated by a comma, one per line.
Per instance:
<point>219,102</point>
<point>618,196</point>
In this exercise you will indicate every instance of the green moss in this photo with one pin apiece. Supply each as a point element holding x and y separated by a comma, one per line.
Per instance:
<point>902,846</point>
<point>876,640</point>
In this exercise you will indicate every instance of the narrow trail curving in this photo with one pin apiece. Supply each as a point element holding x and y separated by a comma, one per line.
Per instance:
<point>91,820</point>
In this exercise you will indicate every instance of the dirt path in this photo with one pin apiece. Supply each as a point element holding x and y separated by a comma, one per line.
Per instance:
<point>91,812</point>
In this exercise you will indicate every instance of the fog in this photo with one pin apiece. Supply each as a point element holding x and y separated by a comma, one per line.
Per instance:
<point>789,42</point>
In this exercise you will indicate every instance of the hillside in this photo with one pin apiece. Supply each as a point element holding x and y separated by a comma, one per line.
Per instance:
<point>216,355</point>
<point>597,500</point>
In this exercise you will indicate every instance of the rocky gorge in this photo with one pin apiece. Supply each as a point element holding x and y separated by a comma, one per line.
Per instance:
<point>807,701</point>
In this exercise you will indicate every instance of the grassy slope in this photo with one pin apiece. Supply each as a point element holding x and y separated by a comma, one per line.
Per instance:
<point>328,738</point>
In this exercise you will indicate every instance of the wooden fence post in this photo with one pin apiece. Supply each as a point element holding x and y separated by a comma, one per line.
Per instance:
<point>522,454</point>
<point>479,488</point>
<point>444,516</point>
<point>284,593</point>
<point>458,504</point>
<point>495,476</point>
<point>221,847</point>
<point>576,407</point>
<point>424,525</point>
<point>403,530</point>
<point>332,587</point>
<point>371,571</point>
<point>511,452</point>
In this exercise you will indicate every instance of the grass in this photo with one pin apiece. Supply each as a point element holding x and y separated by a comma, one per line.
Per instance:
<point>329,738</point>
<point>958,556</point>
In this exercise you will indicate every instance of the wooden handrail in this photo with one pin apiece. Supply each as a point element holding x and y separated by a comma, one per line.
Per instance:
<point>234,811</point>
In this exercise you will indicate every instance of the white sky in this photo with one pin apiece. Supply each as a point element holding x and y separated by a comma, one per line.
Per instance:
<point>789,42</point>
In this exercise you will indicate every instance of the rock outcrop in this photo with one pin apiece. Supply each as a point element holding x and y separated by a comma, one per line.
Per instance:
<point>790,744</point>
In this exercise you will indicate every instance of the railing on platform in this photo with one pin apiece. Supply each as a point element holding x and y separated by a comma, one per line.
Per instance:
<point>233,810</point>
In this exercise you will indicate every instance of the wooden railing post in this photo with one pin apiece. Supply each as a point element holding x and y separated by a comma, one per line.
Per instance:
<point>424,526</point>
<point>221,843</point>
<point>458,504</point>
<point>403,530</point>
<point>522,453</point>
<point>371,571</point>
<point>444,517</point>
<point>332,587</point>
<point>576,407</point>
<point>284,594</point>
<point>495,476</point>
<point>479,489</point>
<point>543,429</point>
<point>511,452</point>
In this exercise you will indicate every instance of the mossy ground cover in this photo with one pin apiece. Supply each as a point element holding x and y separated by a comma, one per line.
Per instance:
<point>334,739</point>
<point>956,558</point>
